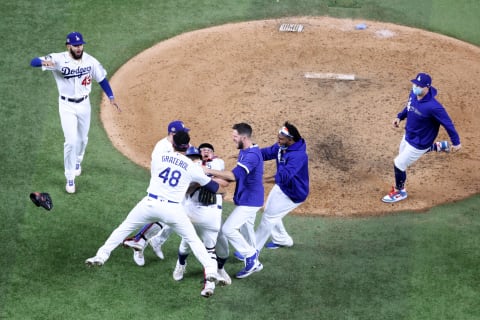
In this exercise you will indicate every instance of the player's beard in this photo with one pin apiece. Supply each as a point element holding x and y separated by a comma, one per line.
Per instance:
<point>76,56</point>
<point>240,145</point>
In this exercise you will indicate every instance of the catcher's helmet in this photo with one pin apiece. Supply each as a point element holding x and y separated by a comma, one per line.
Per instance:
<point>193,151</point>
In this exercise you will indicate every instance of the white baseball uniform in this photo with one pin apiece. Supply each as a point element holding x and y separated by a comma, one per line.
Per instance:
<point>171,175</point>
<point>74,82</point>
<point>206,219</point>
<point>162,146</point>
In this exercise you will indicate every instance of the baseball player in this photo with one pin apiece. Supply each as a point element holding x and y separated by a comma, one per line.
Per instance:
<point>290,190</point>
<point>74,70</point>
<point>248,198</point>
<point>148,234</point>
<point>171,175</point>
<point>211,161</point>
<point>425,115</point>
<point>205,213</point>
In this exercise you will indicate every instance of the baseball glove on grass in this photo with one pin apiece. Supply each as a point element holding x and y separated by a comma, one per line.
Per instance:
<point>42,199</point>
<point>206,197</point>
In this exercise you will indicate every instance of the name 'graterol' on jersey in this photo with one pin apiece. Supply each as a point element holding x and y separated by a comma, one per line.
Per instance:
<point>175,161</point>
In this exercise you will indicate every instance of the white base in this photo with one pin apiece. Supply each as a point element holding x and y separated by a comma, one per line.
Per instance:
<point>334,76</point>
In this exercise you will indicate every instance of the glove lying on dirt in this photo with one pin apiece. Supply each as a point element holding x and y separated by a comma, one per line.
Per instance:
<point>42,199</point>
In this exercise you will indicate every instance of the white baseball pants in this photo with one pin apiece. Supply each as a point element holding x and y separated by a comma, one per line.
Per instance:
<point>278,205</point>
<point>207,221</point>
<point>75,120</point>
<point>407,155</point>
<point>231,231</point>
<point>173,214</point>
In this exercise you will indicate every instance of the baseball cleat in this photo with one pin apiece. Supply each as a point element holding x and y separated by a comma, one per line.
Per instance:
<point>208,289</point>
<point>212,277</point>
<point>272,245</point>
<point>442,146</point>
<point>78,169</point>
<point>179,271</point>
<point>251,265</point>
<point>245,273</point>
<point>134,244</point>
<point>95,261</point>
<point>223,277</point>
<point>157,247</point>
<point>238,256</point>
<point>395,196</point>
<point>139,258</point>
<point>70,186</point>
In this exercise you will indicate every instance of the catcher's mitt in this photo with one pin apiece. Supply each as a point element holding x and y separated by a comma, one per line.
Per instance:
<point>42,199</point>
<point>206,197</point>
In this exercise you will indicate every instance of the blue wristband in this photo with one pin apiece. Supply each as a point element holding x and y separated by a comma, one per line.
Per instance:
<point>106,88</point>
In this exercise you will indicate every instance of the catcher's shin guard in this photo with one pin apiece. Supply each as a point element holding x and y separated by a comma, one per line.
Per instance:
<point>148,231</point>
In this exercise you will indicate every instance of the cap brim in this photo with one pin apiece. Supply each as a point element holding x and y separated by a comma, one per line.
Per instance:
<point>76,43</point>
<point>415,81</point>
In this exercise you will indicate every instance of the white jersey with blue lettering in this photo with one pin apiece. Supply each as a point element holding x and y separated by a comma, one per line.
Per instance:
<point>162,146</point>
<point>74,77</point>
<point>215,164</point>
<point>171,175</point>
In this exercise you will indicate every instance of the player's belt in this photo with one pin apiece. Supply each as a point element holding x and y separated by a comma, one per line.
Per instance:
<point>154,196</point>
<point>74,100</point>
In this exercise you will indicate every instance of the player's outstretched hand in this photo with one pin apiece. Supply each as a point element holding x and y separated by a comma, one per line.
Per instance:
<point>456,148</point>
<point>115,104</point>
<point>396,123</point>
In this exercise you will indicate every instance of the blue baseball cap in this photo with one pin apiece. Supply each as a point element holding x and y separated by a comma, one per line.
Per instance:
<point>176,126</point>
<point>192,151</point>
<point>422,80</point>
<point>74,39</point>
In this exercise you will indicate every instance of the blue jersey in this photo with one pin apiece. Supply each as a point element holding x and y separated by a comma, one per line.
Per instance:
<point>292,169</point>
<point>248,173</point>
<point>424,118</point>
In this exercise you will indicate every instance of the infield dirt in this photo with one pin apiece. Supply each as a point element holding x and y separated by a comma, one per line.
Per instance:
<point>251,72</point>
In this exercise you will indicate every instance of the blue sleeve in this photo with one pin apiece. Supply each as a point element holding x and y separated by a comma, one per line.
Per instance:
<point>239,172</point>
<point>270,153</point>
<point>250,161</point>
<point>106,88</point>
<point>444,119</point>
<point>36,62</point>
<point>212,186</point>
<point>403,114</point>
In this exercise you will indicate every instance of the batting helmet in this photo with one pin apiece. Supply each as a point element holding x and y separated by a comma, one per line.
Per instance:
<point>192,152</point>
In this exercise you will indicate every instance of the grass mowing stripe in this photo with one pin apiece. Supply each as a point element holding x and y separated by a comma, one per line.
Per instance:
<point>457,19</point>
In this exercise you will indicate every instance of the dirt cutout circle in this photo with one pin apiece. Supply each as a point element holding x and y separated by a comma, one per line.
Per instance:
<point>251,72</point>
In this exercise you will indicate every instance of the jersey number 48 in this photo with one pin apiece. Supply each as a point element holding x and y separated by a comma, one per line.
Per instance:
<point>170,176</point>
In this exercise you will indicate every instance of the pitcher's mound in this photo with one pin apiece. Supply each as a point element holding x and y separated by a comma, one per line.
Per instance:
<point>253,72</point>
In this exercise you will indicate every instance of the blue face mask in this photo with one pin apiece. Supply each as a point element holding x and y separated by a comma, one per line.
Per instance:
<point>417,90</point>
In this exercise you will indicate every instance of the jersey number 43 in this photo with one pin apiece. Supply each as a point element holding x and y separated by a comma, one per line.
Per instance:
<point>86,81</point>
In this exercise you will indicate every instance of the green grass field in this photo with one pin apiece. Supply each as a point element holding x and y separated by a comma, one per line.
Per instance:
<point>403,266</point>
